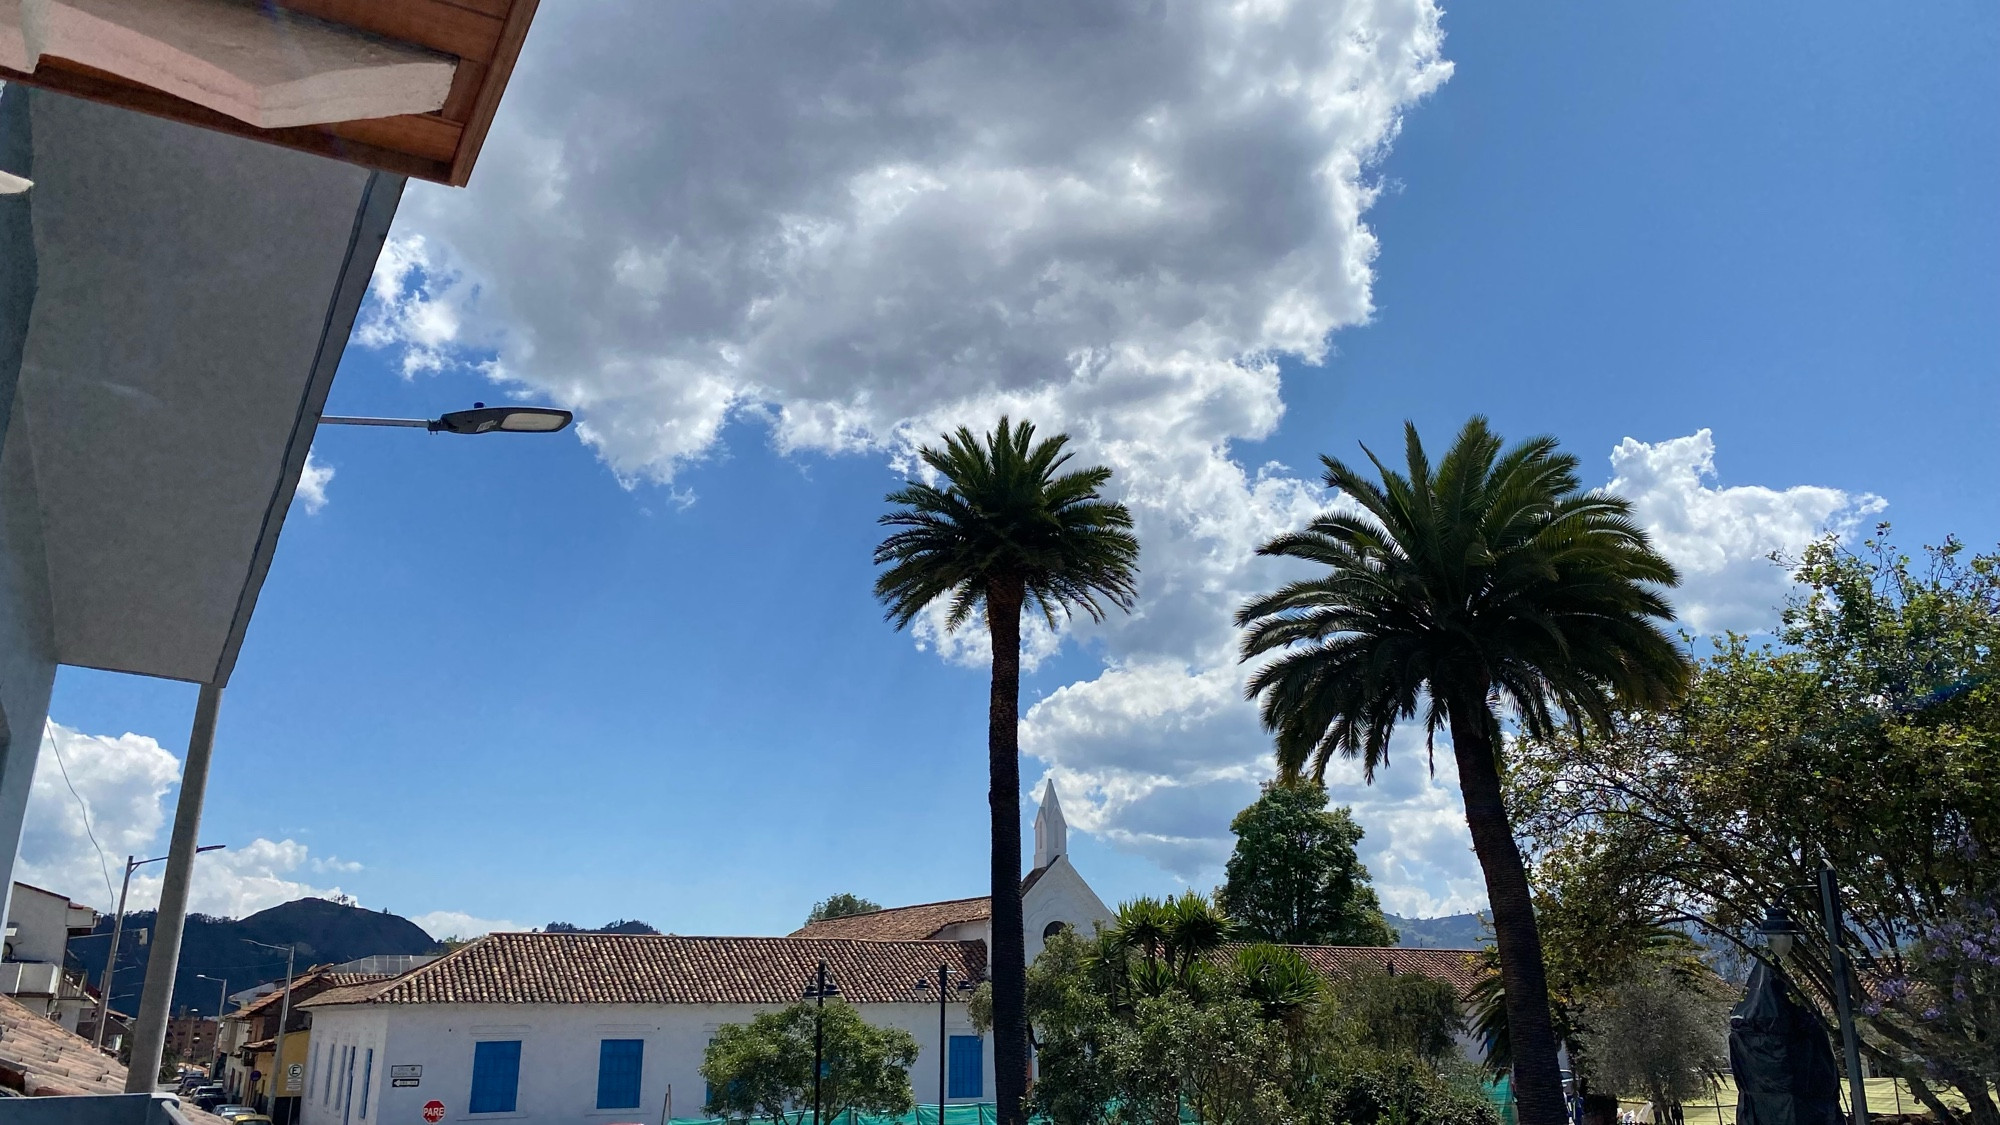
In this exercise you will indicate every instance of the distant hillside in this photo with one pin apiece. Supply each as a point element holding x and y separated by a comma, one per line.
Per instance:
<point>1454,931</point>
<point>325,932</point>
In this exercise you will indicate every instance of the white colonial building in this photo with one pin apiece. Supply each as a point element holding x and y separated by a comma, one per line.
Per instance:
<point>612,1027</point>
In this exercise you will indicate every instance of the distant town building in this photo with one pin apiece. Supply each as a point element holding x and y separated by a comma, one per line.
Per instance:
<point>191,1038</point>
<point>253,1052</point>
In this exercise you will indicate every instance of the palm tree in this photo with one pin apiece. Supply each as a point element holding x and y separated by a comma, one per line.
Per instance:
<point>1492,579</point>
<point>1004,525</point>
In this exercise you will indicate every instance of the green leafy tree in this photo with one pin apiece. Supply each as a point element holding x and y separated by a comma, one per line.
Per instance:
<point>1868,739</point>
<point>1445,591</point>
<point>1401,1014</point>
<point>1294,878</point>
<point>1005,524</point>
<point>842,905</point>
<point>765,1068</point>
<point>1660,1034</point>
<point>1256,1037</point>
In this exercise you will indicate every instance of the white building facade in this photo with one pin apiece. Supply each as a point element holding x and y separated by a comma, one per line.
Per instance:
<point>609,1027</point>
<point>613,1027</point>
<point>34,966</point>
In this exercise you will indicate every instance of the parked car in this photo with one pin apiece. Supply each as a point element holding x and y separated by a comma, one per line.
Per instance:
<point>249,1119</point>
<point>208,1097</point>
<point>232,1112</point>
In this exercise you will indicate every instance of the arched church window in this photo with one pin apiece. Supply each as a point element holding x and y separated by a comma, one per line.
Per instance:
<point>1052,929</point>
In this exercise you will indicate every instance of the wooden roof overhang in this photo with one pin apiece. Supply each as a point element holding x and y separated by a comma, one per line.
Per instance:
<point>484,36</point>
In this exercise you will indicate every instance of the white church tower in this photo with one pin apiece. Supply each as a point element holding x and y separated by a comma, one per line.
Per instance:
<point>1051,830</point>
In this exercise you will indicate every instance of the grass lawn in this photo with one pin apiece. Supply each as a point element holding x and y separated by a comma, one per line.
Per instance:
<point>1885,1096</point>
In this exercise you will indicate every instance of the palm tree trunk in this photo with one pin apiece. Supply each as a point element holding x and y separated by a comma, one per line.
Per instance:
<point>1537,1073</point>
<point>1009,951</point>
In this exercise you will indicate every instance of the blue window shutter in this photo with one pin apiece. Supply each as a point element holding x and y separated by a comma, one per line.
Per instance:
<point>367,1073</point>
<point>966,1069</point>
<point>619,1062</point>
<point>496,1076</point>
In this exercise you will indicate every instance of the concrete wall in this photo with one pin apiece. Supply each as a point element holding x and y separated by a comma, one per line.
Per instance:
<point>27,633</point>
<point>559,1049</point>
<point>43,921</point>
<point>96,1109</point>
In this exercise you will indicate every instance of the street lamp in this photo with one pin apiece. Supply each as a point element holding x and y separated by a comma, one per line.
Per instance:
<point>221,999</point>
<point>922,988</point>
<point>1780,932</point>
<point>817,990</point>
<point>481,419</point>
<point>117,927</point>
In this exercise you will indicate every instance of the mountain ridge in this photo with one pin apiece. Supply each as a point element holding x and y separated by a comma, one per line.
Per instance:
<point>222,949</point>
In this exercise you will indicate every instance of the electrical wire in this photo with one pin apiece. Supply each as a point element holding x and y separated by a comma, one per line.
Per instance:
<point>48,734</point>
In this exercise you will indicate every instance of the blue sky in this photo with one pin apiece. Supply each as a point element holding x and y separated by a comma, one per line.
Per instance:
<point>1751,248</point>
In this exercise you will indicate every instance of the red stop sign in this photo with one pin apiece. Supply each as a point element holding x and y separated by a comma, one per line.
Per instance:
<point>434,1111</point>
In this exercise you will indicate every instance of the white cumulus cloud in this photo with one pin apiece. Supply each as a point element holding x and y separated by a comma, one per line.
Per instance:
<point>1723,537</point>
<point>122,790</point>
<point>457,924</point>
<point>312,483</point>
<point>861,225</point>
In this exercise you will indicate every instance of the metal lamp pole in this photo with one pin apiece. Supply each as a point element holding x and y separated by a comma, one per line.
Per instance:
<point>944,1044</point>
<point>1836,929</point>
<point>817,991</point>
<point>132,863</point>
<point>221,1001</point>
<point>278,1040</point>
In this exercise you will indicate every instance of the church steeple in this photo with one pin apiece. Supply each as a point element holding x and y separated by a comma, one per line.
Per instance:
<point>1051,830</point>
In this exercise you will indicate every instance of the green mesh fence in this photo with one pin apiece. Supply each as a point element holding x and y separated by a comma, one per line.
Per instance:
<point>974,1113</point>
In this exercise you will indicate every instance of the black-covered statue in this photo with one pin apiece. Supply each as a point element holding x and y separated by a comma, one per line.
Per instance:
<point>1782,1056</point>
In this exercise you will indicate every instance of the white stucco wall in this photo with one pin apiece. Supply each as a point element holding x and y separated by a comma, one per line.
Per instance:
<point>559,1052</point>
<point>1060,895</point>
<point>43,922</point>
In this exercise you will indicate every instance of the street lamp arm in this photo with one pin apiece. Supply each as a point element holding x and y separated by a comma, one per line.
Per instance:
<point>333,420</point>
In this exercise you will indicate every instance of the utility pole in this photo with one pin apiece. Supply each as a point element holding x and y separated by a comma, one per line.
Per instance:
<point>132,863</point>
<point>278,1041</point>
<point>111,959</point>
<point>1836,928</point>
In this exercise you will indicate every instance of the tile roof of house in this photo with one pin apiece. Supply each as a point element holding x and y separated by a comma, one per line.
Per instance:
<point>1460,968</point>
<point>540,968</point>
<point>911,923</point>
<point>40,1059</point>
<point>305,986</point>
<point>901,923</point>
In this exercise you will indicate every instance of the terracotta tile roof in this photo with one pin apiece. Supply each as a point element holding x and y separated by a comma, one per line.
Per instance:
<point>901,923</point>
<point>538,968</point>
<point>911,923</point>
<point>304,987</point>
<point>1460,968</point>
<point>39,1058</point>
